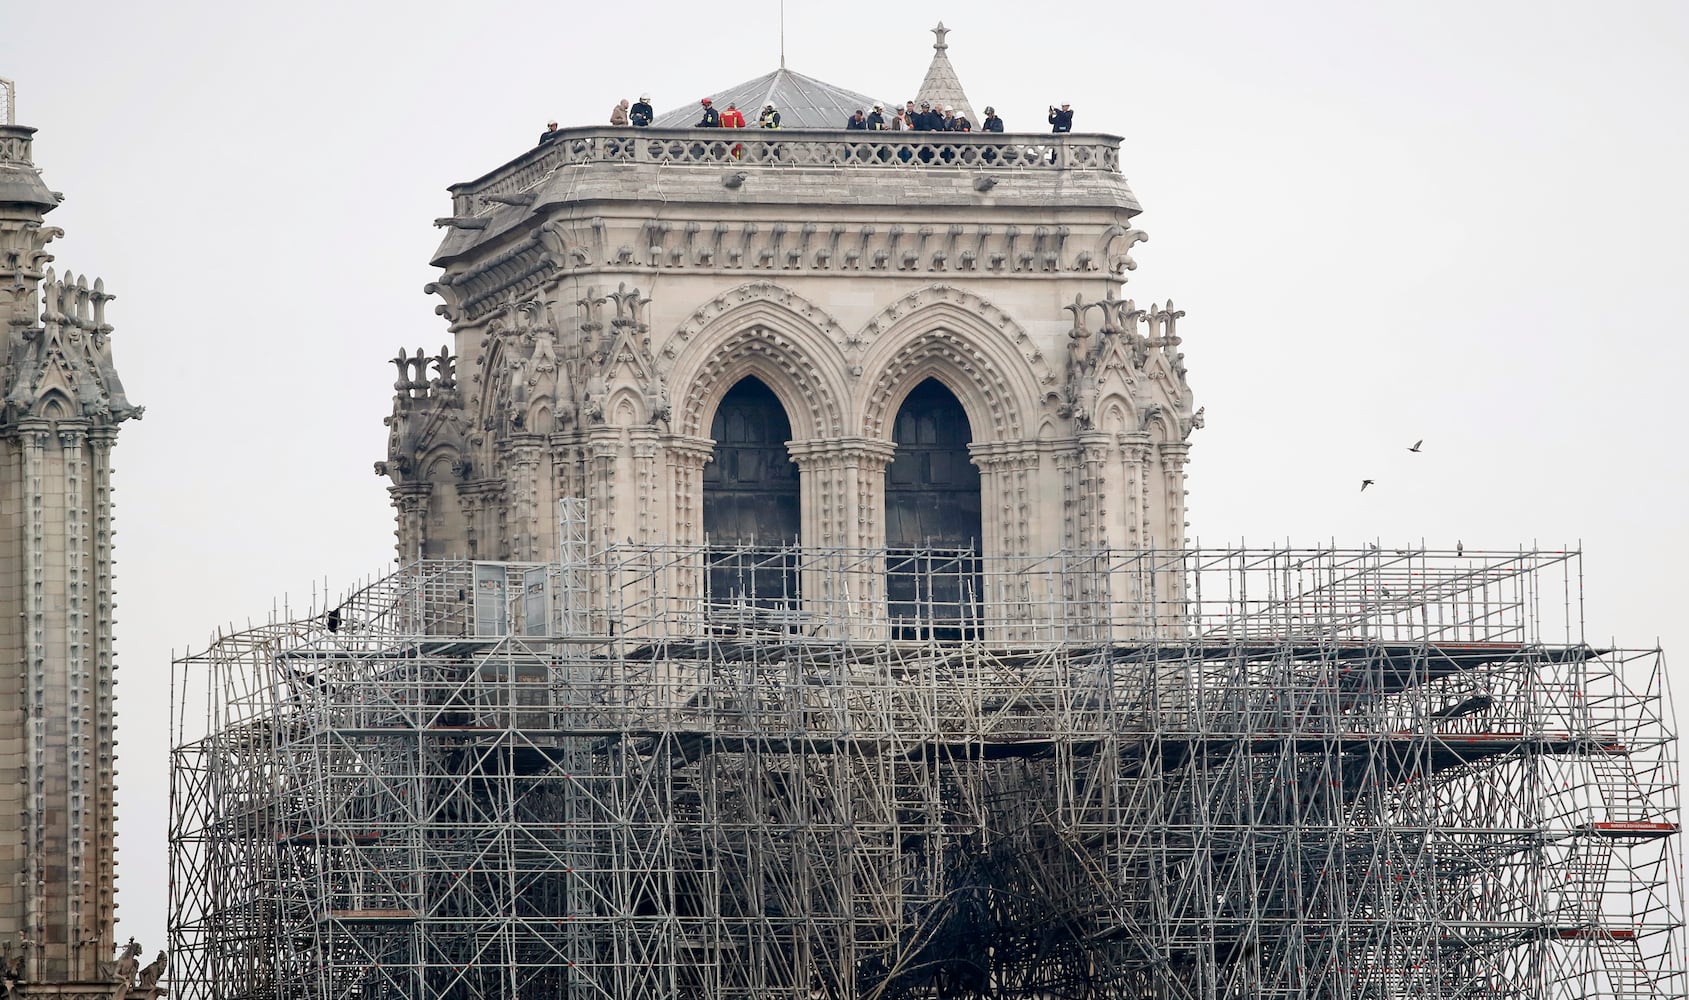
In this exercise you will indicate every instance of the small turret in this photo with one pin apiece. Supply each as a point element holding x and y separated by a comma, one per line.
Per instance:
<point>24,202</point>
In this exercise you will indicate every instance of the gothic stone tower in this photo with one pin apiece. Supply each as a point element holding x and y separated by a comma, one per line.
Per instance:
<point>843,340</point>
<point>60,407</point>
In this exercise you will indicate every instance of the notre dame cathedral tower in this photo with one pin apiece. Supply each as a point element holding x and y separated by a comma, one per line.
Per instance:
<point>807,337</point>
<point>60,406</point>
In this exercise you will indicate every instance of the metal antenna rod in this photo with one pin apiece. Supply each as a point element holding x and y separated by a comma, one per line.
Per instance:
<point>782,34</point>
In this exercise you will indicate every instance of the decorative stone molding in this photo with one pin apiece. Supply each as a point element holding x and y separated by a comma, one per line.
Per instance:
<point>911,151</point>
<point>61,367</point>
<point>1115,247</point>
<point>427,415</point>
<point>1115,367</point>
<point>504,278</point>
<point>797,356</point>
<point>986,359</point>
<point>941,301</point>
<point>752,292</point>
<point>786,246</point>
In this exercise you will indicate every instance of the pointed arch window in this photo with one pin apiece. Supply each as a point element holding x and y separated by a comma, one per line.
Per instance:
<point>751,509</point>
<point>933,522</point>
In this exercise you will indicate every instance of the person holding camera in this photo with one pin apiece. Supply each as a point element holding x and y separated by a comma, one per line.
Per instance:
<point>1062,120</point>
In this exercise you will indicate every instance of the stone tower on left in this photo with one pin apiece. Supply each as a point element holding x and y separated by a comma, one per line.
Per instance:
<point>60,407</point>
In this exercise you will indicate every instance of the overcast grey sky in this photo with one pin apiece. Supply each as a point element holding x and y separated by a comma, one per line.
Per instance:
<point>1455,220</point>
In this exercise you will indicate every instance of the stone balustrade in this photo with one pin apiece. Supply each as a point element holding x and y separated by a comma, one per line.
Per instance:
<point>754,148</point>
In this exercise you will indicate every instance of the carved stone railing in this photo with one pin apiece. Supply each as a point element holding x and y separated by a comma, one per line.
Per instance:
<point>765,148</point>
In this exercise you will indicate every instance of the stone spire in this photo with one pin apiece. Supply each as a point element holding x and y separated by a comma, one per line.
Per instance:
<point>941,85</point>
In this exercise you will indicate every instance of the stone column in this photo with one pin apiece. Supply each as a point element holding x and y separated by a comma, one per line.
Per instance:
<point>522,476</point>
<point>80,698</point>
<point>650,499</point>
<point>483,504</point>
<point>103,813</point>
<point>411,503</point>
<point>38,845</point>
<point>607,524</point>
<point>1134,502</point>
<point>568,466</point>
<point>1085,535</point>
<point>842,486</point>
<point>1131,587</point>
<point>1174,455</point>
<point>1170,585</point>
<point>684,461</point>
<point>1008,488</point>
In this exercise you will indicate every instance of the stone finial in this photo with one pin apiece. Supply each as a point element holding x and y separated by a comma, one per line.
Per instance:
<point>941,85</point>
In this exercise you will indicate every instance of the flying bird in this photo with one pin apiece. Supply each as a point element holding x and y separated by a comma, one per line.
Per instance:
<point>1364,484</point>
<point>1416,445</point>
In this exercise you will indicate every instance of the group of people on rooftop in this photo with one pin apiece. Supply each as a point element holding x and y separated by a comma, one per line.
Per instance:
<point>769,117</point>
<point>930,118</point>
<point>927,118</point>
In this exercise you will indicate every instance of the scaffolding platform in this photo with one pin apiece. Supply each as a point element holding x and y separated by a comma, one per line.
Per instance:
<point>1203,774</point>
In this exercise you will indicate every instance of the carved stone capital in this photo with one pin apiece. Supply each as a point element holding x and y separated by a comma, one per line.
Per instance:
<point>1006,455</point>
<point>837,452</point>
<point>690,450</point>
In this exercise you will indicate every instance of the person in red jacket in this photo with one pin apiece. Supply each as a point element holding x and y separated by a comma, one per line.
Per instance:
<point>734,118</point>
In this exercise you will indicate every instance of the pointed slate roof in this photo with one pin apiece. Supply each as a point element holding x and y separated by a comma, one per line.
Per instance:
<point>941,85</point>
<point>803,101</point>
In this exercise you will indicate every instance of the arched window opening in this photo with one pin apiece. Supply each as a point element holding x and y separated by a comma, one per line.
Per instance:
<point>932,519</point>
<point>751,510</point>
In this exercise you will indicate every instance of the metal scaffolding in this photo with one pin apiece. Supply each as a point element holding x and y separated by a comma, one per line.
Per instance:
<point>1279,773</point>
